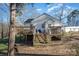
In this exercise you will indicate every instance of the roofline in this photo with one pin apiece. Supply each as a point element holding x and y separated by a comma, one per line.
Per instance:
<point>46,14</point>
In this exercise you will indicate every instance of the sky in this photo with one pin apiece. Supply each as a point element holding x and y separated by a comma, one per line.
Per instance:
<point>4,12</point>
<point>38,9</point>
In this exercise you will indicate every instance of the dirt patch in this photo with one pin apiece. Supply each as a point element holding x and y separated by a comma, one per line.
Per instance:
<point>63,47</point>
<point>49,50</point>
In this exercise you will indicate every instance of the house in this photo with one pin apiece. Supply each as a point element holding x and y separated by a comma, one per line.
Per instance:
<point>43,22</point>
<point>71,29</point>
<point>44,28</point>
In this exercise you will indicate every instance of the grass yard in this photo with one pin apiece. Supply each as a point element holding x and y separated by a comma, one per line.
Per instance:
<point>3,46</point>
<point>3,49</point>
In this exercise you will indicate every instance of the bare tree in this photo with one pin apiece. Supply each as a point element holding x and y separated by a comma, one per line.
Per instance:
<point>14,8</point>
<point>12,29</point>
<point>1,27</point>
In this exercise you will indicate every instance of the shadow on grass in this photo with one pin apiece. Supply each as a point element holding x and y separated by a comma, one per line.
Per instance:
<point>4,41</point>
<point>2,53</point>
<point>20,40</point>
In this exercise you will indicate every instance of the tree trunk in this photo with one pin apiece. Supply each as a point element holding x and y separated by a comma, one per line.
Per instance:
<point>12,29</point>
<point>2,29</point>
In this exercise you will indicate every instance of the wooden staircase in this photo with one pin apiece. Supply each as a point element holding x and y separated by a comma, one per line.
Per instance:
<point>40,38</point>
